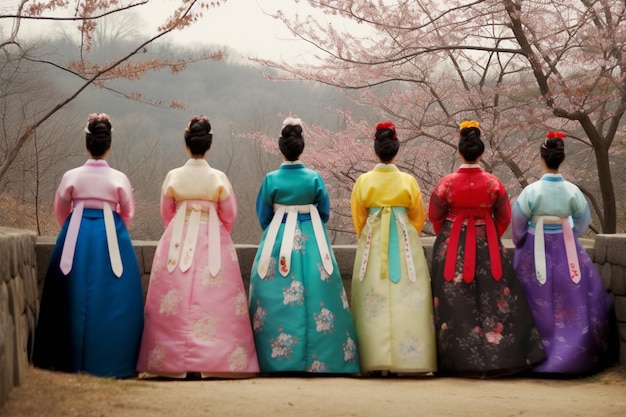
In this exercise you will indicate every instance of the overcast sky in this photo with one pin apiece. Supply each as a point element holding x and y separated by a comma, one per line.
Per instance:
<point>244,25</point>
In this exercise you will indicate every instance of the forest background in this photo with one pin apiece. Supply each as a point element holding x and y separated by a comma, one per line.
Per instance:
<point>425,65</point>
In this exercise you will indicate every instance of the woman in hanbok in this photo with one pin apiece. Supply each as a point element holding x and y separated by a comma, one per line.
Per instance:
<point>299,308</point>
<point>563,287</point>
<point>91,312</point>
<point>391,293</point>
<point>196,309</point>
<point>483,322</point>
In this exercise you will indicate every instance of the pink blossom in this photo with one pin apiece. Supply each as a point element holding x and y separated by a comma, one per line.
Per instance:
<point>493,338</point>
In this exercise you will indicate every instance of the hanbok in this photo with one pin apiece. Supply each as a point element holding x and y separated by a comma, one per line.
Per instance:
<point>483,322</point>
<point>391,293</point>
<point>196,308</point>
<point>91,312</point>
<point>298,305</point>
<point>563,287</point>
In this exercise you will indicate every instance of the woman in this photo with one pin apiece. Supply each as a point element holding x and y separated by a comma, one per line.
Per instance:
<point>483,323</point>
<point>299,308</point>
<point>563,287</point>
<point>91,317</point>
<point>391,295</point>
<point>196,307</point>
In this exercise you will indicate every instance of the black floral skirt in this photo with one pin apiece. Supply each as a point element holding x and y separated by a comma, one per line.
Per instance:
<point>485,327</point>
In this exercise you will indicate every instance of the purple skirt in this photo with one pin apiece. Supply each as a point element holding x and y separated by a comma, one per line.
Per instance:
<point>573,319</point>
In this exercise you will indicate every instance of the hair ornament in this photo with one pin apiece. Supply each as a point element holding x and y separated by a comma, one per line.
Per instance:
<point>552,135</point>
<point>387,125</point>
<point>197,119</point>
<point>292,121</point>
<point>97,117</point>
<point>469,123</point>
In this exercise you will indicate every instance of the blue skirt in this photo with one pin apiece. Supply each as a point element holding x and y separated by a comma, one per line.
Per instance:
<point>90,320</point>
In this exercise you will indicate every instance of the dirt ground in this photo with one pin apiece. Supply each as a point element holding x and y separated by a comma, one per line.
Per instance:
<point>49,394</point>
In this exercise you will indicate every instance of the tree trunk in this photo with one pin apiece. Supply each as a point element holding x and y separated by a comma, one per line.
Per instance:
<point>607,190</point>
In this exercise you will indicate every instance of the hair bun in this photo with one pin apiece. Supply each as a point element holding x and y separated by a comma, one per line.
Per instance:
<point>98,124</point>
<point>98,134</point>
<point>554,140</point>
<point>385,130</point>
<point>471,145</point>
<point>291,142</point>
<point>552,150</point>
<point>198,126</point>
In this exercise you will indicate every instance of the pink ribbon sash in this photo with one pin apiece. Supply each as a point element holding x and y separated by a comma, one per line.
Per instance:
<point>540,248</point>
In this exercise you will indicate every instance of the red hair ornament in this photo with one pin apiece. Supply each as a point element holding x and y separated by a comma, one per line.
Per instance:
<point>552,135</point>
<point>387,125</point>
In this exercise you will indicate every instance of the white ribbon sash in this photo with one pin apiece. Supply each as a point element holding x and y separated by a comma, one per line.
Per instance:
<point>177,236</point>
<point>71,237</point>
<point>114,248</point>
<point>268,244</point>
<point>289,231</point>
<point>540,248</point>
<point>406,243</point>
<point>191,238</point>
<point>188,246</point>
<point>69,246</point>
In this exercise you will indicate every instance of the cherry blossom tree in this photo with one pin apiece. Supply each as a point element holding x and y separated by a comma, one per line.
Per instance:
<point>85,15</point>
<point>520,67</point>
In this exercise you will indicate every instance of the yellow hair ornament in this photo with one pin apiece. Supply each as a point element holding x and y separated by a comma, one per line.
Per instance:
<point>469,123</point>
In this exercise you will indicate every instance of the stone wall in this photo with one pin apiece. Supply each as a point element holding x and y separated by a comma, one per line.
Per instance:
<point>607,251</point>
<point>24,259</point>
<point>19,303</point>
<point>610,259</point>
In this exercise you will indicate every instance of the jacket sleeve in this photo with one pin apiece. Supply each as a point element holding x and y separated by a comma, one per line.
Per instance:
<point>581,214</point>
<point>126,205</point>
<point>519,223</point>
<point>168,202</point>
<point>417,212</point>
<point>63,201</point>
<point>322,200</point>
<point>358,209</point>
<point>264,204</point>
<point>438,207</point>
<point>227,207</point>
<point>502,211</point>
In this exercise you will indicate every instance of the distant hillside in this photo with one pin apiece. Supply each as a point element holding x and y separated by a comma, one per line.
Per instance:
<point>148,137</point>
